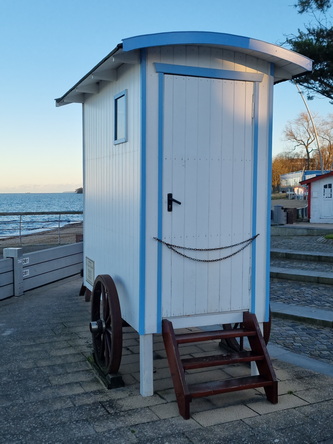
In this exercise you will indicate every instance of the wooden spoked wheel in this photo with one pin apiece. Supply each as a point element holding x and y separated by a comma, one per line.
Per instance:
<point>106,325</point>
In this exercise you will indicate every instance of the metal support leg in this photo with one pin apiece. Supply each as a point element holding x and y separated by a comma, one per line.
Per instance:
<point>146,365</point>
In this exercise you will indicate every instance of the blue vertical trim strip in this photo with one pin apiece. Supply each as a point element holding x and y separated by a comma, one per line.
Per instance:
<point>269,190</point>
<point>160,199</point>
<point>254,195</point>
<point>143,186</point>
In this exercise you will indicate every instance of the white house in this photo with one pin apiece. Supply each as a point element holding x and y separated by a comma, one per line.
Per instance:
<point>291,180</point>
<point>177,134</point>
<point>320,198</point>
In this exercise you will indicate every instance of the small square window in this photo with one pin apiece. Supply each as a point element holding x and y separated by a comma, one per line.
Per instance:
<point>327,191</point>
<point>120,117</point>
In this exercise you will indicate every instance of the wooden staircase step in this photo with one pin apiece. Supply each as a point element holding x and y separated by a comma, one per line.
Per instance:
<point>214,360</point>
<point>201,336</point>
<point>230,385</point>
<point>258,352</point>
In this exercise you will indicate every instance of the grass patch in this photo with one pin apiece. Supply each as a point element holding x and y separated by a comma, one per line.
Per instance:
<point>277,196</point>
<point>329,236</point>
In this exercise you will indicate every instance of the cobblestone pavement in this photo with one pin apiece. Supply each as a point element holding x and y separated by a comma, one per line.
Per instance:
<point>303,243</point>
<point>309,340</point>
<point>306,294</point>
<point>305,339</point>
<point>326,267</point>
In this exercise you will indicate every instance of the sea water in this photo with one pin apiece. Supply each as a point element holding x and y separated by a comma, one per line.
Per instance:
<point>37,202</point>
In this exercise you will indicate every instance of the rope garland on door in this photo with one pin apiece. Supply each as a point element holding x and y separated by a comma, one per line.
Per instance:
<point>175,249</point>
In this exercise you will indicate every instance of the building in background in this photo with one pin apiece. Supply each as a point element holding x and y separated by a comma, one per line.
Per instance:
<point>320,198</point>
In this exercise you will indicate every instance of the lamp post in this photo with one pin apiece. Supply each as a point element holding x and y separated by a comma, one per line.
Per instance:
<point>314,127</point>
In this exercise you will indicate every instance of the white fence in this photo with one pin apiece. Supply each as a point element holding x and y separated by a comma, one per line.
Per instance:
<point>22,272</point>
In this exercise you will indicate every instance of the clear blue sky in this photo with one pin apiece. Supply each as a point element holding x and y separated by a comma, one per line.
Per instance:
<point>48,45</point>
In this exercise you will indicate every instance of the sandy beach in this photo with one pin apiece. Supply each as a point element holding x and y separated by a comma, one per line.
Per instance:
<point>68,234</point>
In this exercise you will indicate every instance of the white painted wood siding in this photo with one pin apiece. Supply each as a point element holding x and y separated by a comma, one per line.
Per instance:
<point>112,190</point>
<point>216,59</point>
<point>208,163</point>
<point>321,205</point>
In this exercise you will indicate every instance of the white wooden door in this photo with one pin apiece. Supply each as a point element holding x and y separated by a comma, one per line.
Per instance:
<point>208,167</point>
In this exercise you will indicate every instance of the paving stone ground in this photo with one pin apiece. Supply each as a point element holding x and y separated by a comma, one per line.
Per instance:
<point>49,393</point>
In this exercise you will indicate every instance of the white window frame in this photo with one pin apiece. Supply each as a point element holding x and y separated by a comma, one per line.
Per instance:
<point>327,191</point>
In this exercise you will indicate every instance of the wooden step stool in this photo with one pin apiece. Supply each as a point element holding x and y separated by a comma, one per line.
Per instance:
<point>258,353</point>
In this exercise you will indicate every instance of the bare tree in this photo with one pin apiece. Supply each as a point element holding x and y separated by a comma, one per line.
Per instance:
<point>326,141</point>
<point>300,134</point>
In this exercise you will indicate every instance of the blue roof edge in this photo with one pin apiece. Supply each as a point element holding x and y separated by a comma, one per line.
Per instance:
<point>218,39</point>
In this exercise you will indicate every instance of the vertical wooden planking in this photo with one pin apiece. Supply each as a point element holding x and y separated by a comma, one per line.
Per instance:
<point>215,160</point>
<point>153,249</point>
<point>190,201</point>
<point>177,188</point>
<point>211,122</point>
<point>202,191</point>
<point>113,182</point>
<point>207,165</point>
<point>192,56</point>
<point>226,221</point>
<point>168,132</point>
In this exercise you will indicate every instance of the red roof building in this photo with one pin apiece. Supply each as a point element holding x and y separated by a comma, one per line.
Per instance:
<point>320,198</point>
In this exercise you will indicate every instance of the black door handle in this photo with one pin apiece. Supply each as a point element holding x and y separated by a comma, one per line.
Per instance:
<point>171,200</point>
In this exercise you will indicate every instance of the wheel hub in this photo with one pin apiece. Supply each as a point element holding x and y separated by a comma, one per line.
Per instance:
<point>97,326</point>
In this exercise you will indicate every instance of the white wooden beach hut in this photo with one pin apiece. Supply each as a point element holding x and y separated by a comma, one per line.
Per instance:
<point>177,133</point>
<point>320,198</point>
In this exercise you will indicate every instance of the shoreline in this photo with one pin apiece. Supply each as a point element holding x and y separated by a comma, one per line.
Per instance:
<point>67,234</point>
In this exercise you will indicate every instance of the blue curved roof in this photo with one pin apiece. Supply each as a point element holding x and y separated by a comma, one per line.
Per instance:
<point>258,48</point>
<point>288,64</point>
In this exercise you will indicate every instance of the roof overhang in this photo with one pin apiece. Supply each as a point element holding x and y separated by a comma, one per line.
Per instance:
<point>105,71</point>
<point>315,179</point>
<point>287,64</point>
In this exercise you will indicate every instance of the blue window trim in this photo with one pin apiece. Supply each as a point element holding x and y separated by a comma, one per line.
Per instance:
<point>143,195</point>
<point>116,141</point>
<point>193,71</point>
